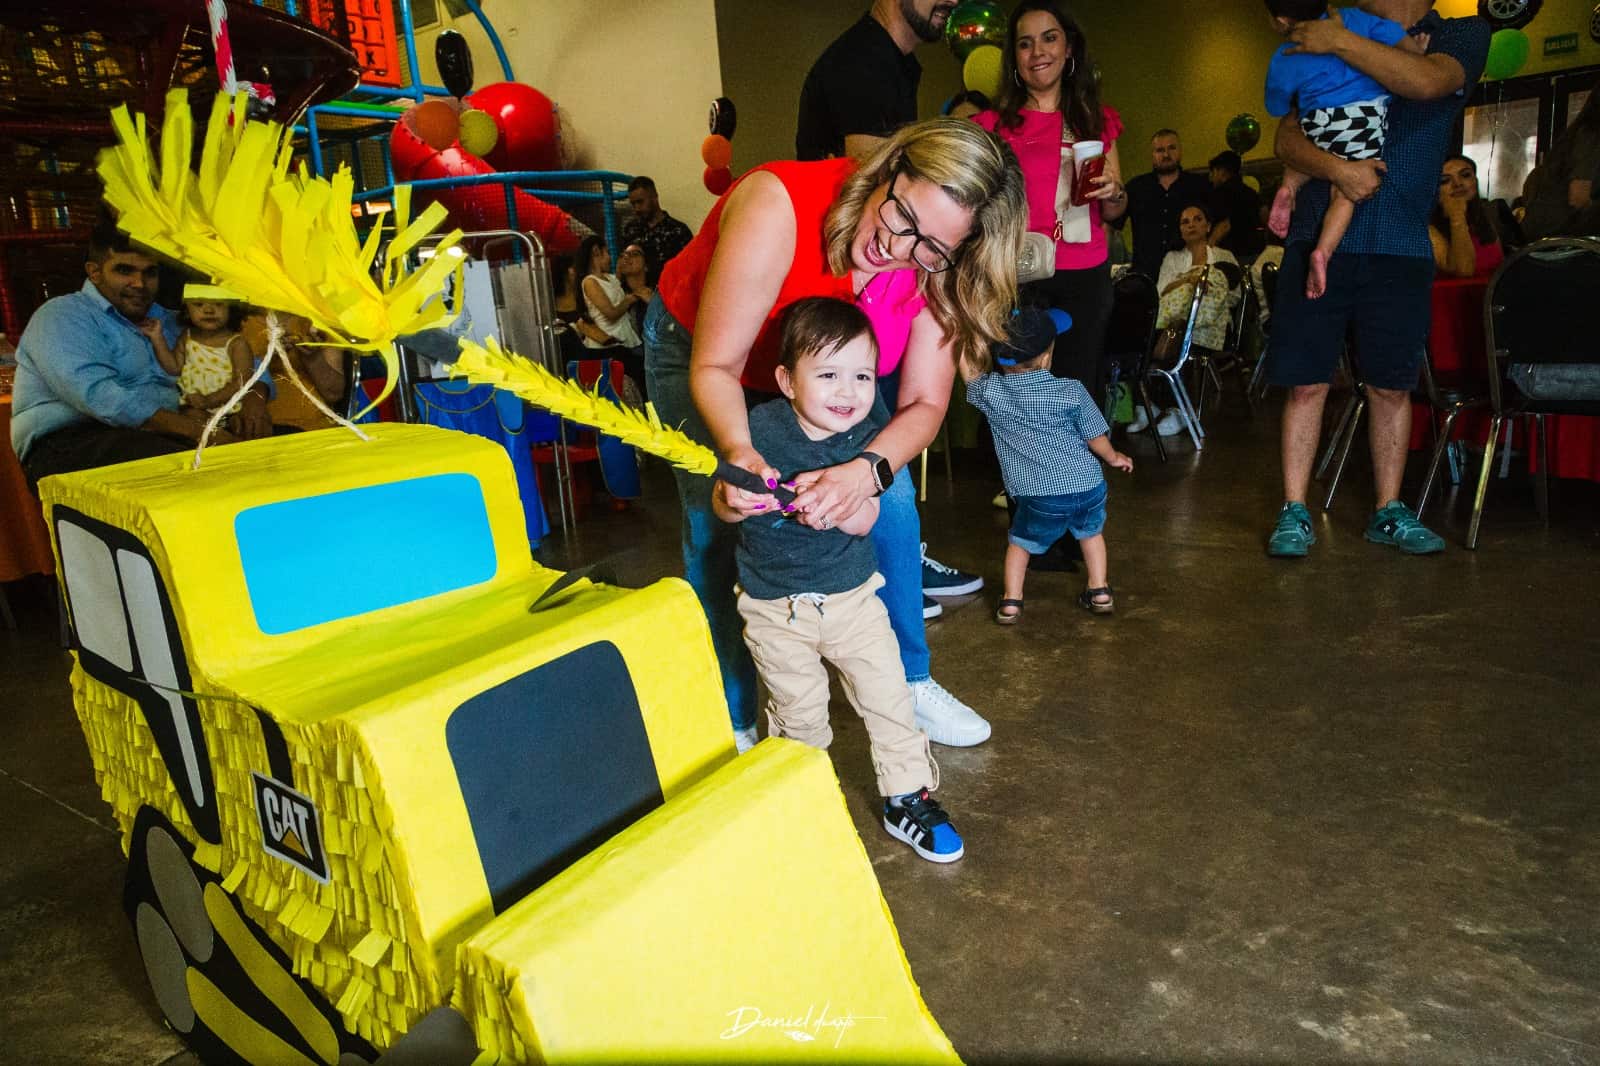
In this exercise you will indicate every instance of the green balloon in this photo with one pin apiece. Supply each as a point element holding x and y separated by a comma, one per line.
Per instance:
<point>1508,51</point>
<point>1244,133</point>
<point>973,24</point>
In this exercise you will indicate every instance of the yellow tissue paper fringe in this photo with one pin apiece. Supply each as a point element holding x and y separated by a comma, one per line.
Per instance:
<point>356,936</point>
<point>491,364</point>
<point>277,237</point>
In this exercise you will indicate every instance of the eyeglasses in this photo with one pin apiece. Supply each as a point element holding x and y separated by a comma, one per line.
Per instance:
<point>902,223</point>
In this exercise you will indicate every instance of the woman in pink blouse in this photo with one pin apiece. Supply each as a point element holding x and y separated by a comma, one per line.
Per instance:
<point>1048,101</point>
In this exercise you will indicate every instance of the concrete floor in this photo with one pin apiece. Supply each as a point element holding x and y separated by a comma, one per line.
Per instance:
<point>1338,810</point>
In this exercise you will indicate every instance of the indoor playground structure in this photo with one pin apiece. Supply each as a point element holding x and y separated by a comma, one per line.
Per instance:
<point>345,74</point>
<point>390,790</point>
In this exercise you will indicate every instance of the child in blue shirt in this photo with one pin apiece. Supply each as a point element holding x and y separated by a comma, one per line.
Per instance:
<point>1341,110</point>
<point>1051,439</point>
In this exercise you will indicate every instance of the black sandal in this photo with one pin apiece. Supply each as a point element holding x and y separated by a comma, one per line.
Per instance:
<point>1008,619</point>
<point>1088,602</point>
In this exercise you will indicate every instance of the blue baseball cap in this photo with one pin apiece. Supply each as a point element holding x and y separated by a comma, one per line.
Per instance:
<point>1029,331</point>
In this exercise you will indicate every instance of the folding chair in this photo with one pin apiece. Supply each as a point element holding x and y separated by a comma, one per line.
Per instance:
<point>1129,332</point>
<point>1231,357</point>
<point>1269,295</point>
<point>1344,433</point>
<point>1173,375</point>
<point>1536,315</point>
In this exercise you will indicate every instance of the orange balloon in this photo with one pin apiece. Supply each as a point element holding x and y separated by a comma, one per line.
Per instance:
<point>436,123</point>
<point>716,151</point>
<point>717,180</point>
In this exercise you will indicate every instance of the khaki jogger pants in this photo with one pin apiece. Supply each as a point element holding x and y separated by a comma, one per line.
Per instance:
<point>790,637</point>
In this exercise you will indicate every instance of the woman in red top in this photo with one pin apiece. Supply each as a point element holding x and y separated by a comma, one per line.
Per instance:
<point>923,235</point>
<point>1465,240</point>
<point>1049,100</point>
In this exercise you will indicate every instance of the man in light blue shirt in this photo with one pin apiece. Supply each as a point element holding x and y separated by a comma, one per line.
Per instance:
<point>88,389</point>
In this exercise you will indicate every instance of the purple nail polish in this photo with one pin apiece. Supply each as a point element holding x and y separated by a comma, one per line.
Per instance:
<point>761,507</point>
<point>772,483</point>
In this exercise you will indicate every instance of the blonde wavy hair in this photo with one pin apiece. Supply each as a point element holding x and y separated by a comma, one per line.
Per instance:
<point>972,300</point>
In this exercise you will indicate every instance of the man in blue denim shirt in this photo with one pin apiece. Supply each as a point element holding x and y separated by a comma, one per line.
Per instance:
<point>88,389</point>
<point>1378,280</point>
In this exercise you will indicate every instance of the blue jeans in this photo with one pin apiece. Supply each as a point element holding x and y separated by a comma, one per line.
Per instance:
<point>709,543</point>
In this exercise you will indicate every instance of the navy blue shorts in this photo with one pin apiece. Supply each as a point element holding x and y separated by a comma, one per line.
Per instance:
<point>1382,301</point>
<point>1039,521</point>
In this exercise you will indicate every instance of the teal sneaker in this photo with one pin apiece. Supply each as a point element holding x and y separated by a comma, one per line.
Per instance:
<point>1397,524</point>
<point>1292,535</point>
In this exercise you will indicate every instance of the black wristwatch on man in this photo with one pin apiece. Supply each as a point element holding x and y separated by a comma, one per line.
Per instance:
<point>882,472</point>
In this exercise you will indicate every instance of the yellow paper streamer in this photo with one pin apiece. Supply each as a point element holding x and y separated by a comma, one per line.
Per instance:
<point>284,240</point>
<point>490,364</point>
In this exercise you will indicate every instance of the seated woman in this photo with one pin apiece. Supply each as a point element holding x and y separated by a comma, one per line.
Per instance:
<point>633,266</point>
<point>1466,242</point>
<point>606,305</point>
<point>1182,268</point>
<point>569,316</point>
<point>1180,271</point>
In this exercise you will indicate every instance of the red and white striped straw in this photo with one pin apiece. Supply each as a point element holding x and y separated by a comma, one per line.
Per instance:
<point>218,12</point>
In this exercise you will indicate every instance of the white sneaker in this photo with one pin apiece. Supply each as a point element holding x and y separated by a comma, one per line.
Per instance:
<point>1141,421</point>
<point>745,739</point>
<point>946,719</point>
<point>1170,424</point>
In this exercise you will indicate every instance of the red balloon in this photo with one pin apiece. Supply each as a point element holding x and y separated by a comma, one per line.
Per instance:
<point>477,207</point>
<point>530,127</point>
<point>717,180</point>
<point>716,152</point>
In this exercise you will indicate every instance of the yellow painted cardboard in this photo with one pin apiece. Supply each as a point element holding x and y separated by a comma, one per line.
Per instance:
<point>362,703</point>
<point>739,923</point>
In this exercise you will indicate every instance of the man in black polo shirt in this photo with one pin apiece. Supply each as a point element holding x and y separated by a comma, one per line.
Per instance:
<point>1236,207</point>
<point>658,233</point>
<point>1156,199</point>
<point>1378,280</point>
<point>864,86</point>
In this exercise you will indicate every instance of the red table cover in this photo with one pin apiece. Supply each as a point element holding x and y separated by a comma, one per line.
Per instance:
<point>1456,342</point>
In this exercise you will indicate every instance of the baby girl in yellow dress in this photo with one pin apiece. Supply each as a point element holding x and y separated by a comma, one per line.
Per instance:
<point>211,360</point>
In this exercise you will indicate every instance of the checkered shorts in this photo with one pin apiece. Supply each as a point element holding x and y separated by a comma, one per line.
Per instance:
<point>1351,131</point>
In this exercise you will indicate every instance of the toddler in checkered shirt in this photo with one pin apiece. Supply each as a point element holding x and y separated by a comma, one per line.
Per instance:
<point>1341,110</point>
<point>1051,439</point>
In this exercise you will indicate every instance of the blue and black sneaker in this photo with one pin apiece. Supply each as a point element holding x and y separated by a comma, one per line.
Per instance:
<point>917,819</point>
<point>1292,535</point>
<point>1396,524</point>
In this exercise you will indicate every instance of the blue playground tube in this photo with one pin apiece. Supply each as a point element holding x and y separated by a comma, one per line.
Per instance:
<point>524,180</point>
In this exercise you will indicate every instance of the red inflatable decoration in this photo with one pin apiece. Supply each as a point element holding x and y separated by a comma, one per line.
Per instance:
<point>522,131</point>
<point>530,127</point>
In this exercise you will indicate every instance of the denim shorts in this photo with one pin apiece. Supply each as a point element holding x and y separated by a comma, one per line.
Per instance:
<point>1039,521</point>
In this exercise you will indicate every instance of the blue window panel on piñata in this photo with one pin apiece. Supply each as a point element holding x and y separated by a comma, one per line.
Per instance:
<point>551,764</point>
<point>373,547</point>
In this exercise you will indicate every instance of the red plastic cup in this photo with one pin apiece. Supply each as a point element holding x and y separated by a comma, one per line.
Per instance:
<point>1089,162</point>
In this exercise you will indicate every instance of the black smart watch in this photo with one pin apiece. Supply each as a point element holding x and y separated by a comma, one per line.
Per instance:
<point>882,472</point>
